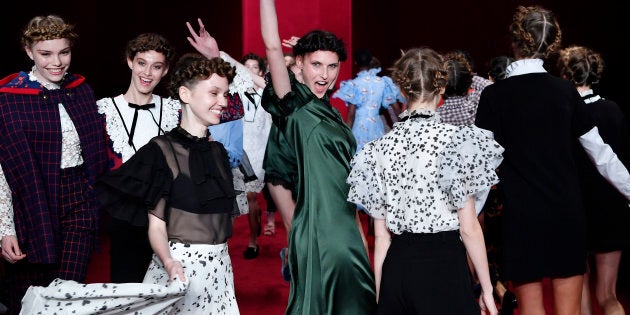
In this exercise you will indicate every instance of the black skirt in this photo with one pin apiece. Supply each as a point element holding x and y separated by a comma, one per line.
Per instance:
<point>427,274</point>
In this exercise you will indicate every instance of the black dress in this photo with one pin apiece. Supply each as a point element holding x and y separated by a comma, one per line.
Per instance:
<point>607,212</point>
<point>537,118</point>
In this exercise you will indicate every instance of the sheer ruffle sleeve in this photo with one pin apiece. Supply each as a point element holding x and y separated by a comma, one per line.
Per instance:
<point>366,183</point>
<point>468,165</point>
<point>128,192</point>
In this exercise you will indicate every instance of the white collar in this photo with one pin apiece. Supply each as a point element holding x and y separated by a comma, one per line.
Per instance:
<point>586,92</point>
<point>525,66</point>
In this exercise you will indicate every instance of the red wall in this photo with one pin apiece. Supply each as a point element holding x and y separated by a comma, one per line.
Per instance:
<point>296,18</point>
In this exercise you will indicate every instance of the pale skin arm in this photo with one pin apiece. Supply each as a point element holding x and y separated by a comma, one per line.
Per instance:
<point>207,45</point>
<point>382,240</point>
<point>472,236</point>
<point>159,242</point>
<point>363,238</point>
<point>273,48</point>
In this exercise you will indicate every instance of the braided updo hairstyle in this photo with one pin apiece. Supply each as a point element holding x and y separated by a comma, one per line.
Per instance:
<point>535,32</point>
<point>193,67</point>
<point>460,74</point>
<point>41,28</point>
<point>580,65</point>
<point>420,74</point>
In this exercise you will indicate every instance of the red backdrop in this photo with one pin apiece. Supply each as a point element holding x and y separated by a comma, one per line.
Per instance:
<point>296,18</point>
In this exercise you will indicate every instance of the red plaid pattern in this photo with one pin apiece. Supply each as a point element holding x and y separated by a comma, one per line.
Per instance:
<point>30,153</point>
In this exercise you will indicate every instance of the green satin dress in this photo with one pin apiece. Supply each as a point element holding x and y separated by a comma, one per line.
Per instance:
<point>330,269</point>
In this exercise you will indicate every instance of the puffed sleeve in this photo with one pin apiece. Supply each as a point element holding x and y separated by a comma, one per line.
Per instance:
<point>128,192</point>
<point>348,92</point>
<point>391,93</point>
<point>468,165</point>
<point>282,107</point>
<point>366,182</point>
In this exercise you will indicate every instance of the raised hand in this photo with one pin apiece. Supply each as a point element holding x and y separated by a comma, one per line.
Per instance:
<point>203,42</point>
<point>290,42</point>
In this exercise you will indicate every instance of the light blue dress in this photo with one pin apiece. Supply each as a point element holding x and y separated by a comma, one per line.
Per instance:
<point>369,93</point>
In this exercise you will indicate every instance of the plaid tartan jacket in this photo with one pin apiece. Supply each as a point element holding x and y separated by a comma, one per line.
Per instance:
<point>30,153</point>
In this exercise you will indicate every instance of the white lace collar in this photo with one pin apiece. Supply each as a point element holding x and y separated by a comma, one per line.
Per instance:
<point>525,66</point>
<point>116,129</point>
<point>48,86</point>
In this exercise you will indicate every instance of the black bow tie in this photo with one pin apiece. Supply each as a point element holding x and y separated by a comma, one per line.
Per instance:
<point>135,118</point>
<point>145,106</point>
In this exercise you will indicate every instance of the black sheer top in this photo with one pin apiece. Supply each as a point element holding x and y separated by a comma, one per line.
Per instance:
<point>179,178</point>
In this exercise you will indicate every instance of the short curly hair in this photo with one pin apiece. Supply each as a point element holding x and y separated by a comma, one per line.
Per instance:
<point>47,27</point>
<point>320,40</point>
<point>150,41</point>
<point>193,67</point>
<point>261,62</point>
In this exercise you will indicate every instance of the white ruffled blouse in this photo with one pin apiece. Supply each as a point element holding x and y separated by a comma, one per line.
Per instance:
<point>118,124</point>
<point>419,174</point>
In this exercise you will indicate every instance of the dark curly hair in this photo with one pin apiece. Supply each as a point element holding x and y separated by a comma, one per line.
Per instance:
<point>497,67</point>
<point>460,74</point>
<point>320,40</point>
<point>420,74</point>
<point>262,65</point>
<point>193,67</point>
<point>48,27</point>
<point>535,32</point>
<point>580,65</point>
<point>150,41</point>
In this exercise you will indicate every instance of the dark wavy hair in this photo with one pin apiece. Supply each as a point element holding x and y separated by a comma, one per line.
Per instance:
<point>497,67</point>
<point>150,41</point>
<point>262,65</point>
<point>320,40</point>
<point>193,67</point>
<point>580,65</point>
<point>460,74</point>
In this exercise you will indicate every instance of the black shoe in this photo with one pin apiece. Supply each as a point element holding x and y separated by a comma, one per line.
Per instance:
<point>251,252</point>
<point>508,304</point>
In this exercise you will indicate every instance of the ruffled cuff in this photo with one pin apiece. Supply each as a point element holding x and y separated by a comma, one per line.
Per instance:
<point>468,166</point>
<point>366,186</point>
